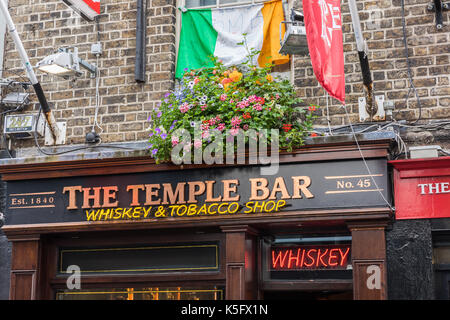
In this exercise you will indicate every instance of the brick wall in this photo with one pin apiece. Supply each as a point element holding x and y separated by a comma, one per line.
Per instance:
<point>47,25</point>
<point>381,23</point>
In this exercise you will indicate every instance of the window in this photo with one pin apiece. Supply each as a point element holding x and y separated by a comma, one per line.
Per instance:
<point>216,3</point>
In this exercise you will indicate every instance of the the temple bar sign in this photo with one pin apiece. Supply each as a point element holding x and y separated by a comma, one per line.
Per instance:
<point>210,192</point>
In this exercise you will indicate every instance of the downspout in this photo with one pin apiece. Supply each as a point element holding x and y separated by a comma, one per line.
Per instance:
<point>141,26</point>
<point>363,59</point>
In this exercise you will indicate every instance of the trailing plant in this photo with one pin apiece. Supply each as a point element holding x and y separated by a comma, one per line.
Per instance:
<point>229,99</point>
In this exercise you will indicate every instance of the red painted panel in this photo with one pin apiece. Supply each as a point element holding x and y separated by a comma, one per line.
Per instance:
<point>422,188</point>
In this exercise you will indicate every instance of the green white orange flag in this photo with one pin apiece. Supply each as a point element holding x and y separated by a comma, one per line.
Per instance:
<point>217,31</point>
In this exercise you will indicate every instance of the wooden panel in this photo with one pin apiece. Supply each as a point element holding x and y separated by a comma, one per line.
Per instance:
<point>329,151</point>
<point>241,281</point>
<point>25,255</point>
<point>24,268</point>
<point>235,282</point>
<point>368,243</point>
<point>369,261</point>
<point>370,280</point>
<point>23,285</point>
<point>293,217</point>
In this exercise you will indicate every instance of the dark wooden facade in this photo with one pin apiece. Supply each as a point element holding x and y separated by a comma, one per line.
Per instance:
<point>34,246</point>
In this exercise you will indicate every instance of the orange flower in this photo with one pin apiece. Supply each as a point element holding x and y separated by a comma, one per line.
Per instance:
<point>226,82</point>
<point>269,78</point>
<point>235,76</point>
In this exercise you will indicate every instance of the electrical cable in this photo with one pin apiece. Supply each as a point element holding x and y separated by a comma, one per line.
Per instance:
<point>6,146</point>
<point>365,162</point>
<point>75,149</point>
<point>408,64</point>
<point>97,83</point>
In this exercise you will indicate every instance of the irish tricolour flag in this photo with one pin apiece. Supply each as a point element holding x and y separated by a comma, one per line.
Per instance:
<point>207,32</point>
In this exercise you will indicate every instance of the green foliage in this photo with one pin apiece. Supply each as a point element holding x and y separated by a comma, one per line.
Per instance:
<point>223,98</point>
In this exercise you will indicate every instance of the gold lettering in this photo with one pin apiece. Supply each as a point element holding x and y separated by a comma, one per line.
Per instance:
<point>72,196</point>
<point>150,193</point>
<point>169,193</point>
<point>279,186</point>
<point>135,194</point>
<point>193,191</point>
<point>109,193</point>
<point>228,188</point>
<point>303,187</point>
<point>210,192</point>
<point>256,185</point>
<point>87,196</point>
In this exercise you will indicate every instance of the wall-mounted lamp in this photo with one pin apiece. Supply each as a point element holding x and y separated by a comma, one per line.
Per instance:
<point>294,41</point>
<point>13,94</point>
<point>65,63</point>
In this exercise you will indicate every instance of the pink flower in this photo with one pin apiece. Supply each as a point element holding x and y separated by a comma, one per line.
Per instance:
<point>196,80</point>
<point>184,107</point>
<point>234,131</point>
<point>223,97</point>
<point>235,121</point>
<point>205,134</point>
<point>212,121</point>
<point>197,143</point>
<point>221,126</point>
<point>260,100</point>
<point>203,107</point>
<point>257,107</point>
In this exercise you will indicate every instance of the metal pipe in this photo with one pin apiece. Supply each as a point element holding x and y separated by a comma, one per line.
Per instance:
<point>141,26</point>
<point>362,54</point>
<point>29,70</point>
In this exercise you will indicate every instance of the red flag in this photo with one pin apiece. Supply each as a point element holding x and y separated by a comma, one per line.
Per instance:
<point>324,34</point>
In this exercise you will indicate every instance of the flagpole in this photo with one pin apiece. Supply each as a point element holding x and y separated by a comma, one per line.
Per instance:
<point>328,115</point>
<point>362,53</point>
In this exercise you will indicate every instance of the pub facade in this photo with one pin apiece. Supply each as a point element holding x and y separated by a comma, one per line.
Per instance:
<point>133,229</point>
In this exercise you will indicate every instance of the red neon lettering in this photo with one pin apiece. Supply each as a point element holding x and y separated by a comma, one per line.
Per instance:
<point>333,264</point>
<point>303,258</point>
<point>309,256</point>
<point>280,259</point>
<point>297,257</point>
<point>293,258</point>
<point>320,257</point>
<point>344,256</point>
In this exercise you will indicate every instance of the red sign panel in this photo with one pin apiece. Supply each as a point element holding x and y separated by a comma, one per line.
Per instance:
<point>310,257</point>
<point>422,188</point>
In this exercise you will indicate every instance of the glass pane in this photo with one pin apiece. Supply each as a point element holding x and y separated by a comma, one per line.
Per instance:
<point>199,3</point>
<point>172,293</point>
<point>441,255</point>
<point>221,2</point>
